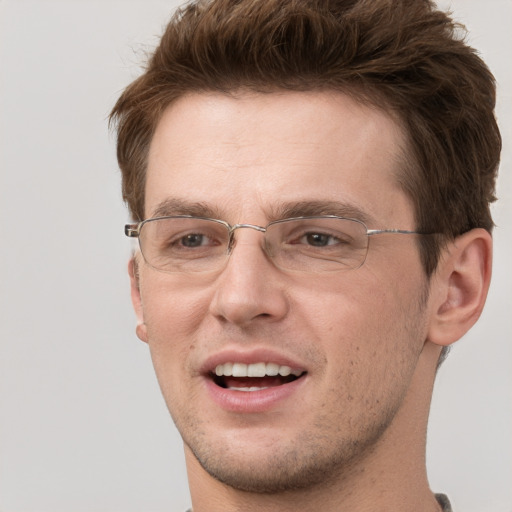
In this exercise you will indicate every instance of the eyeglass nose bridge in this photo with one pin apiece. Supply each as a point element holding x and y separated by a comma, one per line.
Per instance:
<point>232,229</point>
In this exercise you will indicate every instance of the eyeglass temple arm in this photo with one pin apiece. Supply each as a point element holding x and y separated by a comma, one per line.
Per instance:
<point>392,231</point>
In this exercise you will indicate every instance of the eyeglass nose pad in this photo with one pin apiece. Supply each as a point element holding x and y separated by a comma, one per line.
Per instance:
<point>231,241</point>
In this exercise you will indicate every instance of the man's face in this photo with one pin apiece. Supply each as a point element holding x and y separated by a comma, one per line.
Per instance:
<point>353,336</point>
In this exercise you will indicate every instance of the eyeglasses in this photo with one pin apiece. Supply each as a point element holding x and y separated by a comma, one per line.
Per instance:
<point>185,244</point>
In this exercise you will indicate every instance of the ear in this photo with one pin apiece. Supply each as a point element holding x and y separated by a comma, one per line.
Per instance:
<point>460,286</point>
<point>133,272</point>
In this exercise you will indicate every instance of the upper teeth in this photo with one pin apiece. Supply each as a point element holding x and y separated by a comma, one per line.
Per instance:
<point>254,370</point>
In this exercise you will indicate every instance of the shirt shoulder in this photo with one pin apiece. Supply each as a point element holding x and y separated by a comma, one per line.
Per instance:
<point>443,500</point>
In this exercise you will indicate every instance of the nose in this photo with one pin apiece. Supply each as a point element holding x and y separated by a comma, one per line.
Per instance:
<point>250,288</point>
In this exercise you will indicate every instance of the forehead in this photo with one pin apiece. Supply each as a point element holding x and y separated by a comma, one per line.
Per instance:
<point>247,154</point>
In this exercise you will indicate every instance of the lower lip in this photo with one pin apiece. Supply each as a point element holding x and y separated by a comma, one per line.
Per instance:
<point>252,401</point>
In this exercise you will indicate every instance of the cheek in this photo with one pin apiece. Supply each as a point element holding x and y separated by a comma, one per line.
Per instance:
<point>368,325</point>
<point>169,313</point>
<point>172,320</point>
<point>371,338</point>
<point>347,303</point>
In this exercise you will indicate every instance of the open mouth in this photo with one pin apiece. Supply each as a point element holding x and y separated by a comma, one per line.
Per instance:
<point>255,376</point>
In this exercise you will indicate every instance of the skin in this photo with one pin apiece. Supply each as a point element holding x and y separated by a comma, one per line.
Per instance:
<point>353,436</point>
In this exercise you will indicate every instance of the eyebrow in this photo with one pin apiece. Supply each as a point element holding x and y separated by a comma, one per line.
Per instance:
<point>319,207</point>
<point>175,206</point>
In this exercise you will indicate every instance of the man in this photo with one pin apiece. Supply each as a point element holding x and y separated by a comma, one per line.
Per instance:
<point>310,185</point>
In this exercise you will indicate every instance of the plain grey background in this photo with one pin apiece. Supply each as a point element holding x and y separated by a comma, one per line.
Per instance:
<point>82,425</point>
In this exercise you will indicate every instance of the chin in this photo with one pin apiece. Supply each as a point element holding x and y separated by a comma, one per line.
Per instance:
<point>282,465</point>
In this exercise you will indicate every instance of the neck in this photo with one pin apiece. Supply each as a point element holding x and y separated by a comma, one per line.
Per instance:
<point>389,476</point>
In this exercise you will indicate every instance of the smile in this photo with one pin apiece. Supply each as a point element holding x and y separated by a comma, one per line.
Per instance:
<point>254,376</point>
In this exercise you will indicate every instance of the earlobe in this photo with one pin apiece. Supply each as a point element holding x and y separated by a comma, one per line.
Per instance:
<point>141,329</point>
<point>460,286</point>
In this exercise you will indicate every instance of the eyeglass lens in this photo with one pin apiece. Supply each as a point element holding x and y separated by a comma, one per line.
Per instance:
<point>317,244</point>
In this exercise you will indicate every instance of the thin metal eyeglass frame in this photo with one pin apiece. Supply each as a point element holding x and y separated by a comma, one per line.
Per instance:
<point>134,230</point>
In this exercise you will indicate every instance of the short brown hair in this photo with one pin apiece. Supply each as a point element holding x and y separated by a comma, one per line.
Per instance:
<point>401,55</point>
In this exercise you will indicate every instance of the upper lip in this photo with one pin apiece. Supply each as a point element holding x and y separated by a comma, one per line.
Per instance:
<point>258,355</point>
